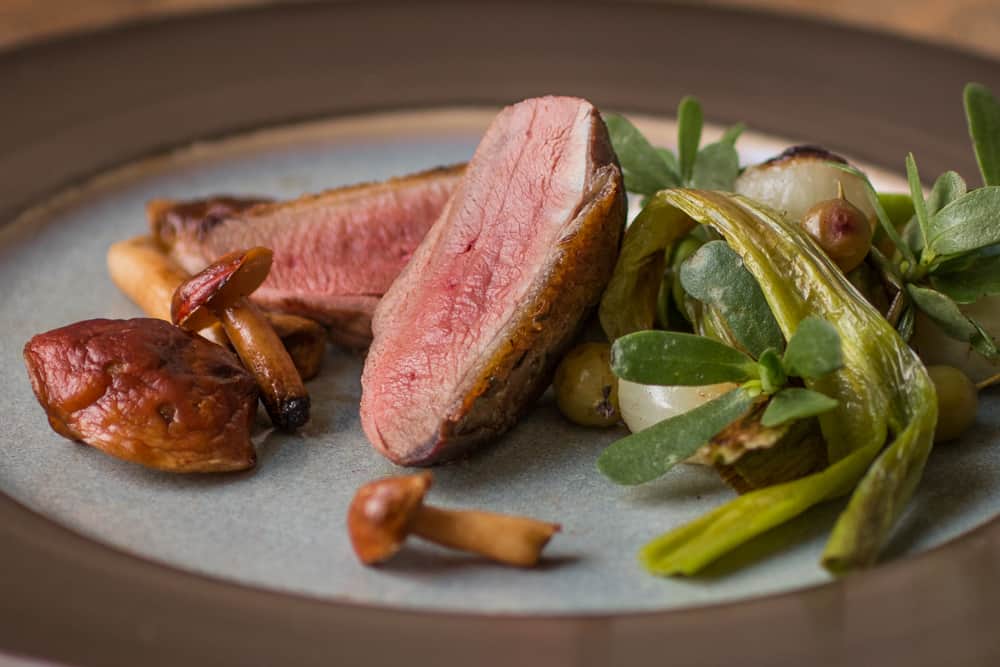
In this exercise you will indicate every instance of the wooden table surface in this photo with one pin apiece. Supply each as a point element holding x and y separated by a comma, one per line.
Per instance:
<point>969,24</point>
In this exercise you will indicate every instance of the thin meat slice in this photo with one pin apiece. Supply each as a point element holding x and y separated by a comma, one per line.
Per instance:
<point>468,335</point>
<point>335,253</point>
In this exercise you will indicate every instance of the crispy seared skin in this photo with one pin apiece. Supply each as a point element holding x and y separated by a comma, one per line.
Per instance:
<point>146,391</point>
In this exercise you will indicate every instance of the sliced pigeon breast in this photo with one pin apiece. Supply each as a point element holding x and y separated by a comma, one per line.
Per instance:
<point>335,253</point>
<point>468,335</point>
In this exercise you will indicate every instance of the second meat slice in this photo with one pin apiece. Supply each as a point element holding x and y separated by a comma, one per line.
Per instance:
<point>468,335</point>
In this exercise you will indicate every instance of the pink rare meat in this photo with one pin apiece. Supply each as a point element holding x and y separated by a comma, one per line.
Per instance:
<point>468,335</point>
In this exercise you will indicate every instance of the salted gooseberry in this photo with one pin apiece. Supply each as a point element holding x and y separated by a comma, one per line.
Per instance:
<point>586,389</point>
<point>958,402</point>
<point>841,229</point>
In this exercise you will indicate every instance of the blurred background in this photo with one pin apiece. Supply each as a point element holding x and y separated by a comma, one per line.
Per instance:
<point>968,24</point>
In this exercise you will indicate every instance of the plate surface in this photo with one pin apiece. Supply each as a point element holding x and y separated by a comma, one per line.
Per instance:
<point>282,526</point>
<point>70,598</point>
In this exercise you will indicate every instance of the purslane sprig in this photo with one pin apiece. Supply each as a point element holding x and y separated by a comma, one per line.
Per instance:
<point>679,359</point>
<point>949,251</point>
<point>647,170</point>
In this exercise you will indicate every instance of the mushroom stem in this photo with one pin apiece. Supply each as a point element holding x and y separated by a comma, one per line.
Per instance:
<point>147,276</point>
<point>513,540</point>
<point>262,352</point>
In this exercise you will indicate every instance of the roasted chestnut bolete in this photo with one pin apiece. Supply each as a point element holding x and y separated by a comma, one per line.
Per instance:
<point>147,392</point>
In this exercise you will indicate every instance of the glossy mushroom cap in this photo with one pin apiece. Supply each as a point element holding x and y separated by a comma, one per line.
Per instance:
<point>221,284</point>
<point>381,513</point>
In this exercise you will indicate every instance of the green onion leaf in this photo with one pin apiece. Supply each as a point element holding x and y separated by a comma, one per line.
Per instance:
<point>630,299</point>
<point>813,350</point>
<point>670,358</point>
<point>795,403</point>
<point>983,114</point>
<point>647,455</point>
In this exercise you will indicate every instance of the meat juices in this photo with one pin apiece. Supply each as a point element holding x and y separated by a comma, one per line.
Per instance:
<point>335,253</point>
<point>469,334</point>
<point>147,392</point>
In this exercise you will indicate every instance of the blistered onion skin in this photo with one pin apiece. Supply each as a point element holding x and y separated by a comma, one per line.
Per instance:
<point>643,406</point>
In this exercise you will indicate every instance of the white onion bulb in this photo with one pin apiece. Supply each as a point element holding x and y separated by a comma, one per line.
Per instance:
<point>793,185</point>
<point>644,405</point>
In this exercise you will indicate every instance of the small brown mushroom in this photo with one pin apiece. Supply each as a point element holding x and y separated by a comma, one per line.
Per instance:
<point>385,511</point>
<point>147,392</point>
<point>219,293</point>
<point>146,275</point>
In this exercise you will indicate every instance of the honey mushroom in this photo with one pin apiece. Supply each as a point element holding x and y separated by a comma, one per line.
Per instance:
<point>147,276</point>
<point>385,511</point>
<point>219,293</point>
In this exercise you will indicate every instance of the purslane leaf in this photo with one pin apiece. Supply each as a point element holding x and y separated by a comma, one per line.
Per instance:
<point>983,114</point>
<point>678,359</point>
<point>647,455</point>
<point>671,160</point>
<point>795,403</point>
<point>643,167</point>
<point>969,277</point>
<point>813,350</point>
<point>948,187</point>
<point>967,223</point>
<point>944,312</point>
<point>732,134</point>
<point>716,167</point>
<point>689,123</point>
<point>772,372</point>
<point>917,195</point>
<point>715,275</point>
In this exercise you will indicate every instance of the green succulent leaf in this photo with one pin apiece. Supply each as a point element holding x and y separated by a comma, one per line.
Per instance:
<point>715,275</point>
<point>969,277</point>
<point>689,124</point>
<point>967,223</point>
<point>952,321</point>
<point>795,403</point>
<point>772,372</point>
<point>944,312</point>
<point>716,167</point>
<point>917,196</point>
<point>671,160</point>
<point>644,168</point>
<point>647,455</point>
<point>948,187</point>
<point>983,114</point>
<point>670,358</point>
<point>813,350</point>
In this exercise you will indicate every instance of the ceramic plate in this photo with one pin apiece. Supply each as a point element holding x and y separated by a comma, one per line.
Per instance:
<point>108,560</point>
